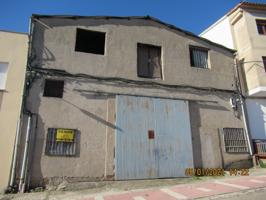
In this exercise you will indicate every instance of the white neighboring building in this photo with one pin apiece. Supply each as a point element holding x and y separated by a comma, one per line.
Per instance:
<point>244,29</point>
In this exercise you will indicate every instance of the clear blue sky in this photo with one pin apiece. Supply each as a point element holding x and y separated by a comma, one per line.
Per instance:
<point>192,15</point>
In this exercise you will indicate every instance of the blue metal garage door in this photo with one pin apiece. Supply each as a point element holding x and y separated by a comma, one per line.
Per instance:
<point>153,138</point>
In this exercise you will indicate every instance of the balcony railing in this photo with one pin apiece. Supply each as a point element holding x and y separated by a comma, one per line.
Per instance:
<point>260,147</point>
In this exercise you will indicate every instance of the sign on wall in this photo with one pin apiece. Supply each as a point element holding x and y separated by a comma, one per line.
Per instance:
<point>61,142</point>
<point>64,135</point>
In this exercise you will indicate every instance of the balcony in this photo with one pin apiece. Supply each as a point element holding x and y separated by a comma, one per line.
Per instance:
<point>260,151</point>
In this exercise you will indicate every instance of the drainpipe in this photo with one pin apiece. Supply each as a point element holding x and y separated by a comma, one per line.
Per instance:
<point>22,177</point>
<point>15,153</point>
<point>22,108</point>
<point>243,107</point>
<point>25,157</point>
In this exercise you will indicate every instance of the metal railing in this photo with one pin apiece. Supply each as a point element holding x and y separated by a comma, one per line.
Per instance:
<point>235,140</point>
<point>55,148</point>
<point>260,147</point>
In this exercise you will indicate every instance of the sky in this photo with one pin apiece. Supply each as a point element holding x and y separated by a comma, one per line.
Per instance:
<point>191,15</point>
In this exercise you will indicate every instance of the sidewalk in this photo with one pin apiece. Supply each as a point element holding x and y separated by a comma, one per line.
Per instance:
<point>206,187</point>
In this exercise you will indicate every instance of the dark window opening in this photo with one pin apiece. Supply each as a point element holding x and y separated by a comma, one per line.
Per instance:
<point>90,41</point>
<point>53,88</point>
<point>264,62</point>
<point>261,25</point>
<point>198,57</point>
<point>149,61</point>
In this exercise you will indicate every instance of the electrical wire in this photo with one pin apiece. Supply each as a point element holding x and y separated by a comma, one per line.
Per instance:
<point>63,73</point>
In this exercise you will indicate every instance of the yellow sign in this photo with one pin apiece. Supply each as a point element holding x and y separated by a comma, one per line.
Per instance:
<point>64,135</point>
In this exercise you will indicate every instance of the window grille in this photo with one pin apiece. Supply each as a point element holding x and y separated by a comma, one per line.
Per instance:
<point>198,57</point>
<point>60,147</point>
<point>235,140</point>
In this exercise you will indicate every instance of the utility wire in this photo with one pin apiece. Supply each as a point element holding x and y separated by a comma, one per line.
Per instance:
<point>56,72</point>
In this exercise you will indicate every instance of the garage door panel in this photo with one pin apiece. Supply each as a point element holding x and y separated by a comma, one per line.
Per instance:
<point>165,155</point>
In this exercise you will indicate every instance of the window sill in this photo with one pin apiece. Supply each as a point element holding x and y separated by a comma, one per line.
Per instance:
<point>90,53</point>
<point>200,67</point>
<point>148,78</point>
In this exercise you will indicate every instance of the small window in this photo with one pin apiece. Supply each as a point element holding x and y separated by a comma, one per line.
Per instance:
<point>149,61</point>
<point>3,75</point>
<point>261,26</point>
<point>198,57</point>
<point>61,142</point>
<point>53,88</point>
<point>235,140</point>
<point>264,62</point>
<point>90,41</point>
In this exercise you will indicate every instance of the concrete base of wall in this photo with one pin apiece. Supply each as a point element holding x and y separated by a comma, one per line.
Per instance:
<point>240,164</point>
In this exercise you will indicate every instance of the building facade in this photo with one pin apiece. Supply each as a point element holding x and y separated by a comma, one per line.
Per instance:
<point>243,29</point>
<point>118,98</point>
<point>13,59</point>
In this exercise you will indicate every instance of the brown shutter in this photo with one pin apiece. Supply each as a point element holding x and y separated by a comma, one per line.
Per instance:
<point>155,62</point>
<point>143,57</point>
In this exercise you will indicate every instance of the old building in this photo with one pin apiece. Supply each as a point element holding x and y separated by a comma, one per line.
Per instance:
<point>244,29</point>
<point>115,98</point>
<point>13,58</point>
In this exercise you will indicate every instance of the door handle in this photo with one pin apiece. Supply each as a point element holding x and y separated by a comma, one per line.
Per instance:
<point>151,134</point>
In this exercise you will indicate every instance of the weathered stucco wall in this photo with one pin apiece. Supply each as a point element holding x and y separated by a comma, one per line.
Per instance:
<point>93,114</point>
<point>55,48</point>
<point>13,48</point>
<point>93,117</point>
<point>89,105</point>
<point>207,120</point>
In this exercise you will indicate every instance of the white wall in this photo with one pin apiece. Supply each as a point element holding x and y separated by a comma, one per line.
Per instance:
<point>220,33</point>
<point>257,117</point>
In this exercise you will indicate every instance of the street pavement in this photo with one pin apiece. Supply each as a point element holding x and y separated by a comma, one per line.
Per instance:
<point>221,188</point>
<point>189,191</point>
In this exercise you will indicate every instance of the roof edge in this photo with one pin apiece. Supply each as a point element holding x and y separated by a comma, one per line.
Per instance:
<point>247,5</point>
<point>15,32</point>
<point>141,18</point>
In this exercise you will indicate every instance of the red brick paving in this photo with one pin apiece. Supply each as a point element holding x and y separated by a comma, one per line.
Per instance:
<point>190,191</point>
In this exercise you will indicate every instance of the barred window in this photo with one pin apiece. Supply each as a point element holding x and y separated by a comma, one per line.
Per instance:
<point>198,57</point>
<point>235,140</point>
<point>61,142</point>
